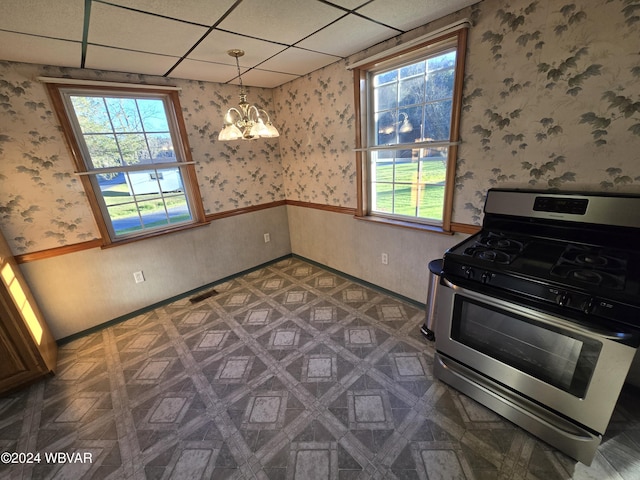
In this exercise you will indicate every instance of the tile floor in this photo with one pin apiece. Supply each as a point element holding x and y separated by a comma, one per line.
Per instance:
<point>289,372</point>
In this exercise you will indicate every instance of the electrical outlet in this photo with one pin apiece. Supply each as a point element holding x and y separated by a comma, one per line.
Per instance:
<point>138,276</point>
<point>267,238</point>
<point>385,259</point>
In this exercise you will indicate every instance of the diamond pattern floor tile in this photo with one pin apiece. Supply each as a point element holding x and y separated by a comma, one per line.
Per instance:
<point>290,371</point>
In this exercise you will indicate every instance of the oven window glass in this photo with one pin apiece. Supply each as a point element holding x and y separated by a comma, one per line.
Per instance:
<point>560,358</point>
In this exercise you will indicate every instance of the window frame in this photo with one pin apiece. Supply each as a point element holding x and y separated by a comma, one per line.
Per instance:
<point>363,92</point>
<point>58,89</point>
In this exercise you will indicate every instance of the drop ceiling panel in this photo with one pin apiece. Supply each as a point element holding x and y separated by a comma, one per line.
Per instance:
<point>205,71</point>
<point>263,78</point>
<point>118,60</point>
<point>409,14</point>
<point>349,4</point>
<point>117,27</point>
<point>50,19</point>
<point>154,35</point>
<point>45,51</point>
<point>215,46</point>
<point>297,61</point>
<point>347,36</point>
<point>284,21</point>
<point>196,11</point>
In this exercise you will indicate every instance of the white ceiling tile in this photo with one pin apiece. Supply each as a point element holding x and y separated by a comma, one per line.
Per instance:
<point>349,4</point>
<point>264,78</point>
<point>45,51</point>
<point>409,14</point>
<point>298,61</point>
<point>107,58</point>
<point>146,36</point>
<point>197,11</point>
<point>205,71</point>
<point>285,21</point>
<point>49,19</point>
<point>347,36</point>
<point>215,46</point>
<point>118,27</point>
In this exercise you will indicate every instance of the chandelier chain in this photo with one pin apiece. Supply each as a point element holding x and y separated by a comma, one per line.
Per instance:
<point>239,74</point>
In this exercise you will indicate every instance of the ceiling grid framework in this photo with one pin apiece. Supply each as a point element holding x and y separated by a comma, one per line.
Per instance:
<point>189,39</point>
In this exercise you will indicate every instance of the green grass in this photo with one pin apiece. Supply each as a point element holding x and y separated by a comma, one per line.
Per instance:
<point>121,205</point>
<point>176,219</point>
<point>403,197</point>
<point>399,199</point>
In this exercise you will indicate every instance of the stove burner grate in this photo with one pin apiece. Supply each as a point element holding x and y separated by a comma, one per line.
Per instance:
<point>488,255</point>
<point>589,276</point>
<point>495,248</point>
<point>594,266</point>
<point>507,245</point>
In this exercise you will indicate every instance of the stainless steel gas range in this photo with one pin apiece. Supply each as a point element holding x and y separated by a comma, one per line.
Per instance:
<point>538,314</point>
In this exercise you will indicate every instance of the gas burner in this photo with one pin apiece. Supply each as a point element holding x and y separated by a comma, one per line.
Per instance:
<point>596,258</point>
<point>501,242</point>
<point>495,256</point>
<point>592,260</point>
<point>588,276</point>
<point>587,266</point>
<point>495,248</point>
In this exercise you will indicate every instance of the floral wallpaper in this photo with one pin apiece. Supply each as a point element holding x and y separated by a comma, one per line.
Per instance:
<point>42,202</point>
<point>232,174</point>
<point>551,100</point>
<point>317,137</point>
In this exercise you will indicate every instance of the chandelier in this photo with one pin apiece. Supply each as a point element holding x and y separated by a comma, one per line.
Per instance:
<point>247,121</point>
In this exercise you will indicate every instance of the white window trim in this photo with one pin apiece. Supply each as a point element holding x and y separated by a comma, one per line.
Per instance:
<point>95,83</point>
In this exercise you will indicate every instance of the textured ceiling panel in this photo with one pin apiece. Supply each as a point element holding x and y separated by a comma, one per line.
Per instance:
<point>61,53</point>
<point>206,71</point>
<point>115,59</point>
<point>263,78</point>
<point>117,27</point>
<point>283,39</point>
<point>215,46</point>
<point>348,35</point>
<point>196,11</point>
<point>58,19</point>
<point>298,62</point>
<point>410,14</point>
<point>285,21</point>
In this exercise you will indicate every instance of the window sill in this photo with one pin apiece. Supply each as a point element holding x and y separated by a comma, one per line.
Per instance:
<point>161,233</point>
<point>404,224</point>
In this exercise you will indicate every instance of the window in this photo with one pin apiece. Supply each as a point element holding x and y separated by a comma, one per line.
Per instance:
<point>409,114</point>
<point>130,149</point>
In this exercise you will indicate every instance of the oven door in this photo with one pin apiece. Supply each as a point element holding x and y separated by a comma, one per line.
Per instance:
<point>566,367</point>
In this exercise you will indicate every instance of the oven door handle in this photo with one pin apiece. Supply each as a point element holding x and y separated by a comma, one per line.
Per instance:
<point>618,336</point>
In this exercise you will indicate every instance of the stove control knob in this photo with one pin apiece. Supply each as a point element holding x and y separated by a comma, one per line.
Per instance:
<point>486,276</point>
<point>468,272</point>
<point>563,299</point>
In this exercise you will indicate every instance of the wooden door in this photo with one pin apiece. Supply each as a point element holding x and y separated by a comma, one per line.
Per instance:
<point>18,364</point>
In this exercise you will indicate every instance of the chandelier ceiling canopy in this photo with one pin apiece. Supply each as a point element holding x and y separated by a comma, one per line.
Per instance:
<point>245,121</point>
